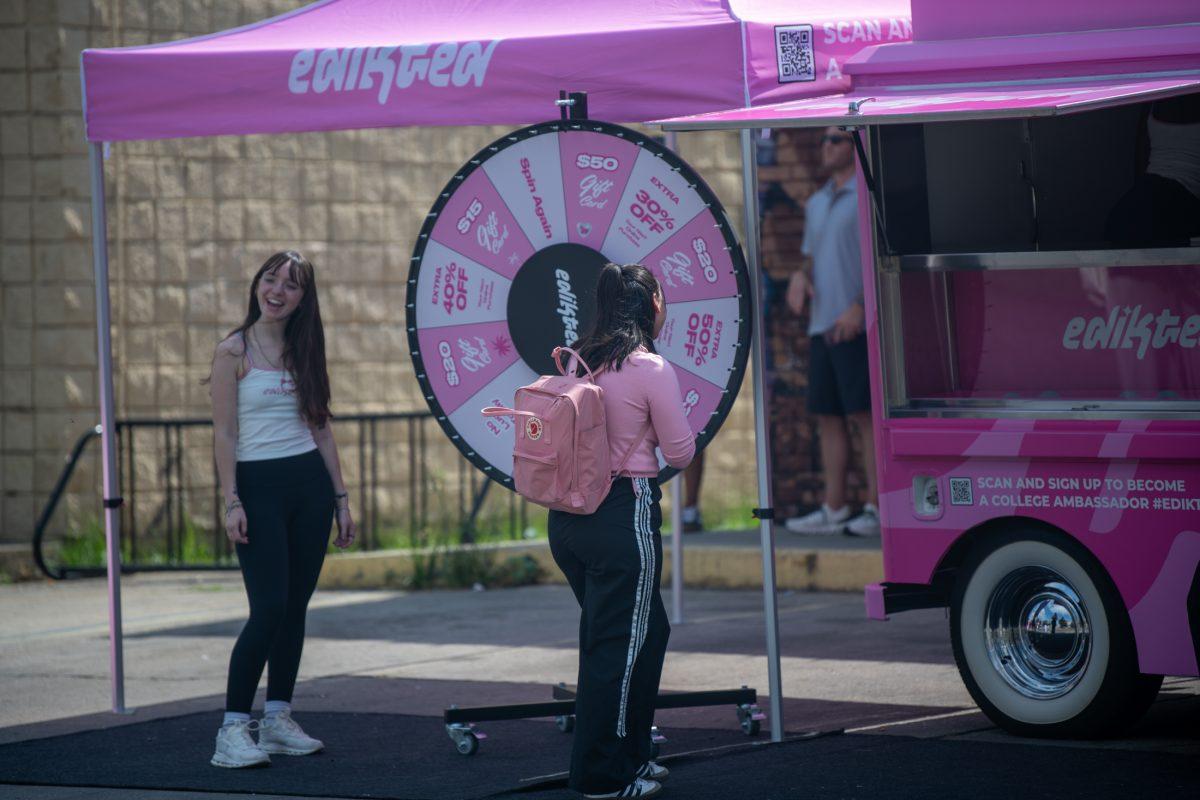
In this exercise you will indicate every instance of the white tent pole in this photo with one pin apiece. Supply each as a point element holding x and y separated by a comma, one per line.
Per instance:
<point>670,141</point>
<point>677,550</point>
<point>766,524</point>
<point>108,439</point>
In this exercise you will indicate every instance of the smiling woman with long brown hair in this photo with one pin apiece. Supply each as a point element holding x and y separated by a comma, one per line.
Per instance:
<point>282,482</point>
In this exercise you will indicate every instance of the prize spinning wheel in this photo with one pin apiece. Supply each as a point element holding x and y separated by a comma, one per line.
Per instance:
<point>505,269</point>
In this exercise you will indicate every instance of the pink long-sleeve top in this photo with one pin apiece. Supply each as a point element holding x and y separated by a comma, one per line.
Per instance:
<point>645,388</point>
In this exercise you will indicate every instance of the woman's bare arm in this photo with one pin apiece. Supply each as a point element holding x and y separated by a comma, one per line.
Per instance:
<point>327,445</point>
<point>227,362</point>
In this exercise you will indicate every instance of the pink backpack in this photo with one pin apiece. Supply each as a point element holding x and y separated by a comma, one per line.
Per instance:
<point>560,459</point>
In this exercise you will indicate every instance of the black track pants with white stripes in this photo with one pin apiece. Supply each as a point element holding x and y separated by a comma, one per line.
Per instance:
<point>613,561</point>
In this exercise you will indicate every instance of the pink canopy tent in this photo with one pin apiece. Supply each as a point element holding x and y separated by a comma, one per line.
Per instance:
<point>342,64</point>
<point>1054,58</point>
<point>349,64</point>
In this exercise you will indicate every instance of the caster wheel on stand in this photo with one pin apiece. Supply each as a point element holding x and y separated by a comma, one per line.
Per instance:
<point>466,739</point>
<point>565,723</point>
<point>750,719</point>
<point>656,738</point>
<point>467,745</point>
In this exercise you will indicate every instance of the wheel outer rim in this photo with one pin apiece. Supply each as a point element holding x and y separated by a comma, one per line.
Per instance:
<point>1037,633</point>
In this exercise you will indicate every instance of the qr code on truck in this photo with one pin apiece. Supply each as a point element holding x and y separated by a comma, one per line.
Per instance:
<point>794,52</point>
<point>960,492</point>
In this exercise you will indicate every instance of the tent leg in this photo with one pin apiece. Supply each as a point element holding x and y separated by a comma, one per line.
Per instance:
<point>112,501</point>
<point>672,143</point>
<point>766,525</point>
<point>677,550</point>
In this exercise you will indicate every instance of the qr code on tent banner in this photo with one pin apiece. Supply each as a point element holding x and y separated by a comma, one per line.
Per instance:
<point>794,52</point>
<point>960,492</point>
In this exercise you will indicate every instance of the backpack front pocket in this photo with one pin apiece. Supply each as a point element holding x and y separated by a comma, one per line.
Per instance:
<point>536,477</point>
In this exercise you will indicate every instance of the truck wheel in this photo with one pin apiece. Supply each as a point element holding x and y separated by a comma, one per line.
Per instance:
<point>1043,642</point>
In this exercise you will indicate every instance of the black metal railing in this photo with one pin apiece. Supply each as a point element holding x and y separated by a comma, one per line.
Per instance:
<point>165,535</point>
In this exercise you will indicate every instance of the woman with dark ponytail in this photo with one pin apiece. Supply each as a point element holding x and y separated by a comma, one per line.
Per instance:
<point>613,558</point>
<point>278,466</point>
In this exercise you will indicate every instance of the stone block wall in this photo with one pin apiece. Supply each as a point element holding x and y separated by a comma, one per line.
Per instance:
<point>190,220</point>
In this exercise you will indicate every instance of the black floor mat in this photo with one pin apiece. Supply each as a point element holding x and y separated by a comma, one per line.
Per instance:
<point>862,767</point>
<point>367,755</point>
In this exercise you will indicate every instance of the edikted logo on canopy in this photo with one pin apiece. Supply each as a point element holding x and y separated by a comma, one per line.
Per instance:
<point>345,69</point>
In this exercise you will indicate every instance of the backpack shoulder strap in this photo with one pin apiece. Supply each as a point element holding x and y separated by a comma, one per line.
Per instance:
<point>633,447</point>
<point>557,354</point>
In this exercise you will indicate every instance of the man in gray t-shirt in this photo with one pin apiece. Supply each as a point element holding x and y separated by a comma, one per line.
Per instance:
<point>838,376</point>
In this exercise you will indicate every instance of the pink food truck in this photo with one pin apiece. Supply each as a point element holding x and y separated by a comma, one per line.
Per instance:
<point>1029,197</point>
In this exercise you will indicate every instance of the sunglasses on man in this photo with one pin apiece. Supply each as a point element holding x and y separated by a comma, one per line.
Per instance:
<point>834,139</point>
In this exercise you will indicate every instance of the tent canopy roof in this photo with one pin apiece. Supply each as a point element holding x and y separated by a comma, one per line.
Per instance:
<point>340,64</point>
<point>1040,74</point>
<point>892,105</point>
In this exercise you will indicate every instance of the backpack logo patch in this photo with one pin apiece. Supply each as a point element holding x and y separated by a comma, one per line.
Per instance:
<point>533,428</point>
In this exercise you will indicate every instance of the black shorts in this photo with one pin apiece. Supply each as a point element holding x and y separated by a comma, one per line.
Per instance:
<point>839,382</point>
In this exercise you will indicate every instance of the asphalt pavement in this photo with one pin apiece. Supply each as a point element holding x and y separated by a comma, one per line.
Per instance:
<point>416,653</point>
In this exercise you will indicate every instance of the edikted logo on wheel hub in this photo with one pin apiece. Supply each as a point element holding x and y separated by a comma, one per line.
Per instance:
<point>552,301</point>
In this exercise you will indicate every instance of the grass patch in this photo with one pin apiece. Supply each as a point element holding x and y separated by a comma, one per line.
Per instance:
<point>86,546</point>
<point>466,569</point>
<point>443,565</point>
<point>722,516</point>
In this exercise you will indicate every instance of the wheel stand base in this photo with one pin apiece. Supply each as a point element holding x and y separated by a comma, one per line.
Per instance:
<point>460,722</point>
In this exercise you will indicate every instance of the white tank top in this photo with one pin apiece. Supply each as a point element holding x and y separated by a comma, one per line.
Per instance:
<point>269,421</point>
<point>1175,152</point>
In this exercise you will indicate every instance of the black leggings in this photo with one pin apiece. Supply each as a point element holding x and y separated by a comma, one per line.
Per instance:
<point>289,509</point>
<point>613,561</point>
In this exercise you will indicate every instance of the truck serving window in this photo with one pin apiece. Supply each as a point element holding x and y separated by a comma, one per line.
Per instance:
<point>1015,184</point>
<point>1024,276</point>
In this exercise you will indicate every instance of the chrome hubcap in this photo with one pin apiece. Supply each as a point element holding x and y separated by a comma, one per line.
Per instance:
<point>1037,632</point>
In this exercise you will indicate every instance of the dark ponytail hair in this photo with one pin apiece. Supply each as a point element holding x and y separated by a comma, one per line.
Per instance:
<point>303,336</point>
<point>624,316</point>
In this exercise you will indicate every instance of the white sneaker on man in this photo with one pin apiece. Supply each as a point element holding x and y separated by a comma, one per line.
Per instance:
<point>236,747</point>
<point>822,522</point>
<point>639,788</point>
<point>866,523</point>
<point>653,771</point>
<point>279,733</point>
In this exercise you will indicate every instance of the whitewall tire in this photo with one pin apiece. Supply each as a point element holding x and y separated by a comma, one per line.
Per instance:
<point>1043,641</point>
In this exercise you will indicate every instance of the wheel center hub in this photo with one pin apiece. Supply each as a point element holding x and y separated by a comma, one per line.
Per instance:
<point>1037,632</point>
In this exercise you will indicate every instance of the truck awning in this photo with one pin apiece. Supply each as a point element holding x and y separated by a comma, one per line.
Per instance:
<point>890,104</point>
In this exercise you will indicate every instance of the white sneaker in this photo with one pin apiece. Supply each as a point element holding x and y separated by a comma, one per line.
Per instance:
<point>236,748</point>
<point>822,522</point>
<point>653,771</point>
<point>866,523</point>
<point>279,733</point>
<point>639,788</point>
